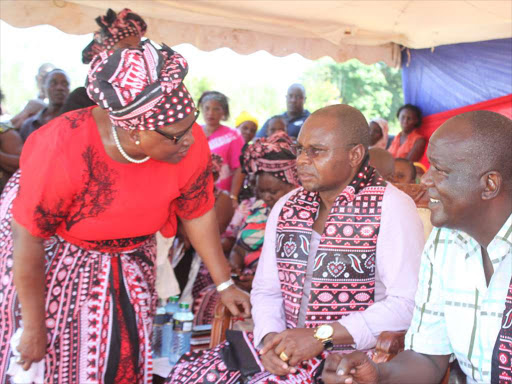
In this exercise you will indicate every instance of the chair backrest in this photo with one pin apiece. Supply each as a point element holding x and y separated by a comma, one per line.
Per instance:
<point>418,192</point>
<point>424,214</point>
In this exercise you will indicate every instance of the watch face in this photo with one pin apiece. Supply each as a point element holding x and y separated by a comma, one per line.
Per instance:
<point>324,331</point>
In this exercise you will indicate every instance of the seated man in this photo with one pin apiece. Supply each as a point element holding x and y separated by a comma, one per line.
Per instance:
<point>339,262</point>
<point>463,303</point>
<point>56,86</point>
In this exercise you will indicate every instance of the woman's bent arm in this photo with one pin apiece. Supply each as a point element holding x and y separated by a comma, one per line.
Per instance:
<point>29,279</point>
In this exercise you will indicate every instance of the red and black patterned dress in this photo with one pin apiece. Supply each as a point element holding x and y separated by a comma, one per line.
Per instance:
<point>99,218</point>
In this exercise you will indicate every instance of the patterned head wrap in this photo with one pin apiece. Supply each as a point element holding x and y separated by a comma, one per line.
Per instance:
<point>217,162</point>
<point>113,28</point>
<point>142,88</point>
<point>274,155</point>
<point>245,116</point>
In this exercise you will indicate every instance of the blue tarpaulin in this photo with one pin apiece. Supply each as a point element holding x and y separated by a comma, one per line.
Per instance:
<point>453,76</point>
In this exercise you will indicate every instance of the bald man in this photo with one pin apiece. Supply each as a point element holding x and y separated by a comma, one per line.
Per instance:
<point>464,299</point>
<point>338,266</point>
<point>295,114</point>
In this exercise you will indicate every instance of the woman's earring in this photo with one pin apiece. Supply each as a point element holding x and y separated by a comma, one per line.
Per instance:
<point>137,142</point>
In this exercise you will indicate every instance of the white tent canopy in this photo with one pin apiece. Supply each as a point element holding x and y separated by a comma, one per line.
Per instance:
<point>368,30</point>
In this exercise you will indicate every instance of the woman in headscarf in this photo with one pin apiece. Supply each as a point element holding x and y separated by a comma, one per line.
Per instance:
<point>272,162</point>
<point>247,124</point>
<point>379,130</point>
<point>78,269</point>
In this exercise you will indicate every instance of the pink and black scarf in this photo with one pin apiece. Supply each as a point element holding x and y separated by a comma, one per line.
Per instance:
<point>113,28</point>
<point>344,268</point>
<point>142,88</point>
<point>501,368</point>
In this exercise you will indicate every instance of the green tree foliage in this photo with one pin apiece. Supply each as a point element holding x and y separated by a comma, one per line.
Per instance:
<point>197,85</point>
<point>376,90</point>
<point>261,100</point>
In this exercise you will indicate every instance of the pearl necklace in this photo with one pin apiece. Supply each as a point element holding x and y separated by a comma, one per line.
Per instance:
<point>122,152</point>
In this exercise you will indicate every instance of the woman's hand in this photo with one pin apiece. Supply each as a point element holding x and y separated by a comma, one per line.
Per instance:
<point>237,301</point>
<point>32,346</point>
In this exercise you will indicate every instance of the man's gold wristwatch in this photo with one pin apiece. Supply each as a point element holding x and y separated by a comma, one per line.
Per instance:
<point>324,334</point>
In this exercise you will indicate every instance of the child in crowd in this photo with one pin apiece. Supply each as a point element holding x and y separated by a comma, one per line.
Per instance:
<point>405,172</point>
<point>275,124</point>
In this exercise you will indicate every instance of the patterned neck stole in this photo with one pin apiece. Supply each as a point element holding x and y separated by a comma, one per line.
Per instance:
<point>501,367</point>
<point>344,267</point>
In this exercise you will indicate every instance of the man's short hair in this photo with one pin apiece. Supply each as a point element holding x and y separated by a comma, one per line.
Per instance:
<point>492,140</point>
<point>352,124</point>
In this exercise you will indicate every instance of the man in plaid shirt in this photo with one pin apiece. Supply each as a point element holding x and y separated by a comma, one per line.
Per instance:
<point>466,264</point>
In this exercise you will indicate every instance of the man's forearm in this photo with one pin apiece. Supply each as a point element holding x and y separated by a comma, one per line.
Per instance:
<point>341,334</point>
<point>412,367</point>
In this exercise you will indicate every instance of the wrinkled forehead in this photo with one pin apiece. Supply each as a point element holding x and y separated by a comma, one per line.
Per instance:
<point>453,142</point>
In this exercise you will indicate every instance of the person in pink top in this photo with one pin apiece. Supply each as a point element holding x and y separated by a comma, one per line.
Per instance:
<point>339,264</point>
<point>224,141</point>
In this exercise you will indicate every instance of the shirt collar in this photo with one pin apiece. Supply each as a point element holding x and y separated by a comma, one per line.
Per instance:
<point>505,232</point>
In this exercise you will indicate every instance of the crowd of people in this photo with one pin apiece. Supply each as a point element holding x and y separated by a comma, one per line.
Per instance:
<point>299,227</point>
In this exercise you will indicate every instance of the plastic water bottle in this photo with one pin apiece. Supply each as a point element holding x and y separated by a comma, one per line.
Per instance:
<point>170,309</point>
<point>158,324</point>
<point>182,333</point>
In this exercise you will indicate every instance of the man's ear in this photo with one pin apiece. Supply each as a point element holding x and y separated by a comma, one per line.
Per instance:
<point>491,183</point>
<point>356,155</point>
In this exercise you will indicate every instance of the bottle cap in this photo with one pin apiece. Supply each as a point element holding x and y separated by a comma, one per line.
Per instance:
<point>184,305</point>
<point>174,299</point>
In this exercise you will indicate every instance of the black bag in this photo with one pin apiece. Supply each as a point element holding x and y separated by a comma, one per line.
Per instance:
<point>240,355</point>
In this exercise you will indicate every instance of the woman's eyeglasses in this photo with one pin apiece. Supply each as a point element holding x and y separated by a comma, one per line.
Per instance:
<point>176,138</point>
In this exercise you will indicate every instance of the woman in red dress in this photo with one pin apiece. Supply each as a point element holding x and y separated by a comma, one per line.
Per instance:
<point>78,269</point>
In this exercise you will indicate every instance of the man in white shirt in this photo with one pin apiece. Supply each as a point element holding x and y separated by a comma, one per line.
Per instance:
<point>465,276</point>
